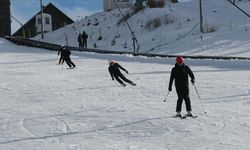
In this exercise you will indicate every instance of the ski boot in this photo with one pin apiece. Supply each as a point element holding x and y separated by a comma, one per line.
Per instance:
<point>189,114</point>
<point>178,115</point>
<point>132,83</point>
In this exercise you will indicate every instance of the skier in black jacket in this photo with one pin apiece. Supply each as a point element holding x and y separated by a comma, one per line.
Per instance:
<point>116,73</point>
<point>65,53</point>
<point>180,74</point>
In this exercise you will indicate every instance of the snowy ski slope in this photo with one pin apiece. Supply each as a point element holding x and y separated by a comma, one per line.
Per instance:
<point>45,106</point>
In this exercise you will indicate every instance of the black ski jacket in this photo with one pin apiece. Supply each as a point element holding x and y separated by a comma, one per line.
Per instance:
<point>65,53</point>
<point>114,69</point>
<point>180,74</point>
<point>84,35</point>
<point>59,51</point>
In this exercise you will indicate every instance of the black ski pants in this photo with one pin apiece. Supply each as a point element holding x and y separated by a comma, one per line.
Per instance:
<point>119,75</point>
<point>80,44</point>
<point>183,93</point>
<point>84,44</point>
<point>69,62</point>
<point>61,60</point>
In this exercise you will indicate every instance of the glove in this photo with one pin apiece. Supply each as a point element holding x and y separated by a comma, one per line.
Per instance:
<point>169,88</point>
<point>192,81</point>
<point>112,78</point>
<point>126,72</point>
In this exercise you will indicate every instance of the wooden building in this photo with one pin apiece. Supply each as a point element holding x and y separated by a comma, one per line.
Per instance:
<point>57,20</point>
<point>5,23</point>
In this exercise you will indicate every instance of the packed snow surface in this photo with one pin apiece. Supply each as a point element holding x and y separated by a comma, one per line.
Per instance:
<point>45,106</point>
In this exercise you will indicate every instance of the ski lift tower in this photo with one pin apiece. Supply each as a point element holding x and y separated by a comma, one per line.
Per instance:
<point>42,28</point>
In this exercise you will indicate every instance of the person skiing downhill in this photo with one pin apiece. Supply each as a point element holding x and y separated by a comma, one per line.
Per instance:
<point>116,73</point>
<point>65,53</point>
<point>180,74</point>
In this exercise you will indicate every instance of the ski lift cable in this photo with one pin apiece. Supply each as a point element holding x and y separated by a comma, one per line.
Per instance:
<point>177,39</point>
<point>239,8</point>
<point>132,32</point>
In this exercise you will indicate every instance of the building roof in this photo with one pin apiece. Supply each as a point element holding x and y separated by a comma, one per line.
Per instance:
<point>50,5</point>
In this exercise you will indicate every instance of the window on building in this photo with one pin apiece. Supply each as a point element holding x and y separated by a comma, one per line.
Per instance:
<point>47,21</point>
<point>39,21</point>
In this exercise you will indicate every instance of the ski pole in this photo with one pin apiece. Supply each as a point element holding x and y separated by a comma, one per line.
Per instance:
<point>199,98</point>
<point>166,97</point>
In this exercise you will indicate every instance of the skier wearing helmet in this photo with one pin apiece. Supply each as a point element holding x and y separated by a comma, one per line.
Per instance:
<point>180,74</point>
<point>65,53</point>
<point>116,73</point>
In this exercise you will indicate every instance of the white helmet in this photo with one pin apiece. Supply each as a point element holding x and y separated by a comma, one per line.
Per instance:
<point>110,61</point>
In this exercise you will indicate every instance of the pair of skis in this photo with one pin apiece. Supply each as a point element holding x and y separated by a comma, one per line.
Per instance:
<point>71,68</point>
<point>184,117</point>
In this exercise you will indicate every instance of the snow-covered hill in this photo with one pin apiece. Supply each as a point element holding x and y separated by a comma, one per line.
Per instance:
<point>178,30</point>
